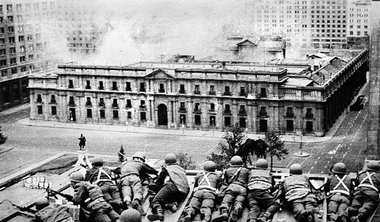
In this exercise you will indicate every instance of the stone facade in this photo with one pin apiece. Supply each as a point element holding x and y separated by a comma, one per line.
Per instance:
<point>195,95</point>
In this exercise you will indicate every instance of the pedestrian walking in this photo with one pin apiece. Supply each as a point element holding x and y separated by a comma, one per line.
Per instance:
<point>82,142</point>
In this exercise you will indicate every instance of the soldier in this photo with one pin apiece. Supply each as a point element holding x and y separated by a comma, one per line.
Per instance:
<point>259,193</point>
<point>101,176</point>
<point>131,173</point>
<point>82,142</point>
<point>49,213</point>
<point>366,196</point>
<point>236,178</point>
<point>130,215</point>
<point>338,189</point>
<point>205,187</point>
<point>298,193</point>
<point>172,186</point>
<point>91,200</point>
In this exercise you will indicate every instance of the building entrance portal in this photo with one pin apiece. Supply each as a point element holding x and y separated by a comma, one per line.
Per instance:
<point>162,115</point>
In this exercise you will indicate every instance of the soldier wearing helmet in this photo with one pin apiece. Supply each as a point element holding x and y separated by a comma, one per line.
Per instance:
<point>366,196</point>
<point>298,193</point>
<point>171,186</point>
<point>338,188</point>
<point>205,187</point>
<point>235,178</point>
<point>91,200</point>
<point>259,193</point>
<point>46,212</point>
<point>131,174</point>
<point>102,176</point>
<point>130,215</point>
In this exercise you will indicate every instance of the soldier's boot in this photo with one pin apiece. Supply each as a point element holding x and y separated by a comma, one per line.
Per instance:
<point>189,215</point>
<point>159,215</point>
<point>136,204</point>
<point>264,218</point>
<point>173,207</point>
<point>222,217</point>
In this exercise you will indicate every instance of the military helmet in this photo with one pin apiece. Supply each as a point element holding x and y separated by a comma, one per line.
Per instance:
<point>41,203</point>
<point>339,168</point>
<point>373,166</point>
<point>295,169</point>
<point>236,161</point>
<point>140,155</point>
<point>76,177</point>
<point>130,215</point>
<point>170,158</point>
<point>209,166</point>
<point>97,162</point>
<point>262,164</point>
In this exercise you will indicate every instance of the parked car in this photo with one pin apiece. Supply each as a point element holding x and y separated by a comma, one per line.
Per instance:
<point>358,104</point>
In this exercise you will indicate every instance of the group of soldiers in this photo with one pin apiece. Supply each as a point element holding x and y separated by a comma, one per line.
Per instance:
<point>102,199</point>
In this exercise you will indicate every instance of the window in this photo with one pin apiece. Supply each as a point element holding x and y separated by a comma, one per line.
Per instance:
<point>242,110</point>
<point>128,86</point>
<point>263,92</point>
<point>263,112</point>
<point>3,73</point>
<point>88,101</point>
<point>22,48</point>
<point>53,110</point>
<point>11,29</point>
<point>14,70</point>
<point>129,115</point>
<point>182,107</point>
<point>129,104</point>
<point>142,87</point>
<point>142,104</point>
<point>39,98</point>
<point>115,114</point>
<point>227,121</point>
<point>143,116</point>
<point>88,84</point>
<point>162,88</point>
<point>182,89</point>
<point>227,109</point>
<point>3,62</point>
<point>309,113</point>
<point>212,90</point>
<point>102,113</point>
<point>197,119</point>
<point>52,99</point>
<point>13,61</point>
<point>21,38</point>
<point>22,58</point>
<point>196,89</point>
<point>71,84</point>
<point>114,85</point>
<point>11,40</point>
<point>182,119</point>
<point>227,91</point>
<point>212,121</point>
<point>197,107</point>
<point>39,109</point>
<point>289,125</point>
<point>101,102</point>
<point>309,126</point>
<point>71,101</point>
<point>242,91</point>
<point>114,104</point>
<point>243,122</point>
<point>289,112</point>
<point>212,107</point>
<point>101,86</point>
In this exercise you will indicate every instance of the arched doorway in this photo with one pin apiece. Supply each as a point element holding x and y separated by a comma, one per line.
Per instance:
<point>162,115</point>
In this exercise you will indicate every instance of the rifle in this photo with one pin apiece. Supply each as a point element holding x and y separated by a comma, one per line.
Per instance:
<point>54,193</point>
<point>20,208</point>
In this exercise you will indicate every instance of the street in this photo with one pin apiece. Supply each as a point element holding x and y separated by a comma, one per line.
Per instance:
<point>32,144</point>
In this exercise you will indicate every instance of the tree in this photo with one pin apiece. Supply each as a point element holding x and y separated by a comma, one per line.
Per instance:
<point>185,161</point>
<point>228,146</point>
<point>275,147</point>
<point>3,138</point>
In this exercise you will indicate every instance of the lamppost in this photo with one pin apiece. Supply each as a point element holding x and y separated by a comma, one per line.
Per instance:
<point>301,153</point>
<point>182,125</point>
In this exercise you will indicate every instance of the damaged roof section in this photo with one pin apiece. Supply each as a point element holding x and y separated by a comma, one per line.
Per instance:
<point>328,70</point>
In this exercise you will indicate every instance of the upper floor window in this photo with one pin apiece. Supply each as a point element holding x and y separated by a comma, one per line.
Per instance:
<point>289,112</point>
<point>162,88</point>
<point>197,90</point>
<point>227,91</point>
<point>182,89</point>
<point>114,85</point>
<point>39,98</point>
<point>129,104</point>
<point>242,110</point>
<point>212,90</point>
<point>309,113</point>
<point>88,84</point>
<point>242,91</point>
<point>71,101</point>
<point>101,102</point>
<point>114,104</point>
<point>263,112</point>
<point>52,99</point>
<point>128,86</point>
<point>197,107</point>
<point>227,109</point>
<point>88,102</point>
<point>212,107</point>
<point>71,84</point>
<point>142,104</point>
<point>263,92</point>
<point>101,86</point>
<point>142,87</point>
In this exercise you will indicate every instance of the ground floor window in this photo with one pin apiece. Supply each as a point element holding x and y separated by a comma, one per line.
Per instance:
<point>212,121</point>
<point>39,109</point>
<point>227,121</point>
<point>143,116</point>
<point>89,113</point>
<point>309,126</point>
<point>197,119</point>
<point>242,122</point>
<point>182,118</point>
<point>102,114</point>
<point>263,126</point>
<point>129,115</point>
<point>115,114</point>
<point>289,125</point>
<point>53,110</point>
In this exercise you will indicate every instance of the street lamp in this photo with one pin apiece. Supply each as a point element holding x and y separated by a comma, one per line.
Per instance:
<point>183,125</point>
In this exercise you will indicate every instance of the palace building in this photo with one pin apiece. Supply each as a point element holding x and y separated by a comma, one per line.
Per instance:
<point>289,97</point>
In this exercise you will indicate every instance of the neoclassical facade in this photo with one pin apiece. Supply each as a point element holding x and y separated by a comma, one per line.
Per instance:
<point>199,95</point>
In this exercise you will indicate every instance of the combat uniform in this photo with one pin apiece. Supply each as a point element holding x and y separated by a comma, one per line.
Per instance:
<point>298,192</point>
<point>203,200</point>
<point>366,196</point>
<point>171,186</point>
<point>91,199</point>
<point>236,178</point>
<point>131,171</point>
<point>53,214</point>
<point>338,190</point>
<point>102,177</point>
<point>259,196</point>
